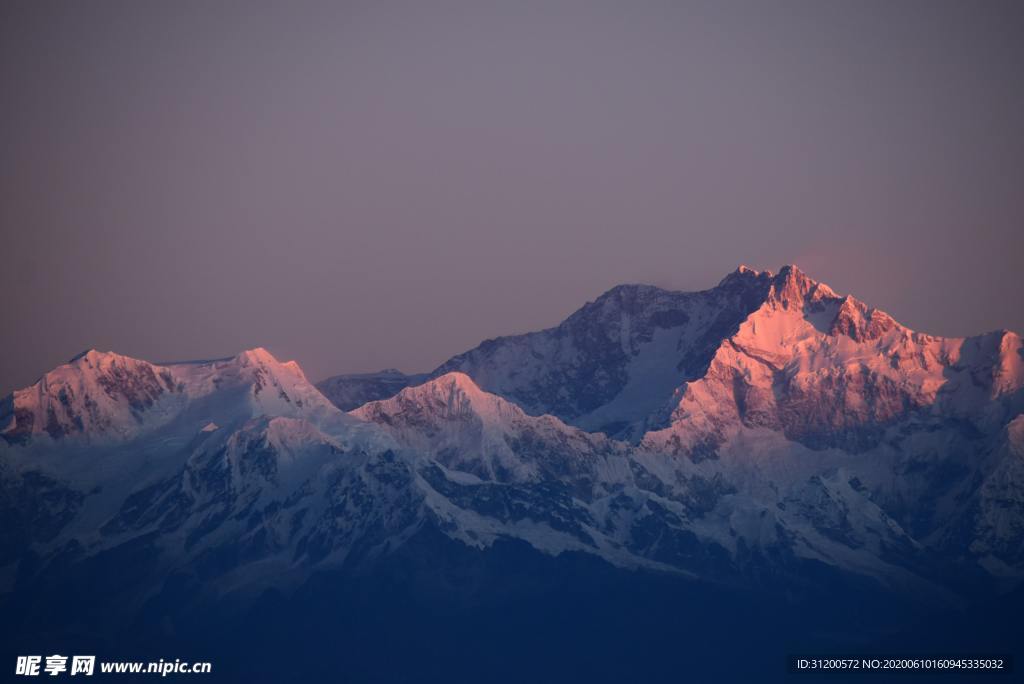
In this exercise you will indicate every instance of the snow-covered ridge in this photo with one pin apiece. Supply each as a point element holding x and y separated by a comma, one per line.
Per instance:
<point>466,429</point>
<point>104,395</point>
<point>639,363</point>
<point>633,361</point>
<point>450,396</point>
<point>830,371</point>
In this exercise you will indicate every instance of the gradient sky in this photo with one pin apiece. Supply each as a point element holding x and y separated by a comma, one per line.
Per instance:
<point>370,184</point>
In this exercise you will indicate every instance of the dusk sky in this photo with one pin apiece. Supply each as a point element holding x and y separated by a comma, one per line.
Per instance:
<point>359,185</point>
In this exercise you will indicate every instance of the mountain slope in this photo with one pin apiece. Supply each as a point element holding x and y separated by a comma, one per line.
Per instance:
<point>492,470</point>
<point>613,365</point>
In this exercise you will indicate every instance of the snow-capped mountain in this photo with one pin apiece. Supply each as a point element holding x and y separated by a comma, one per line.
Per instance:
<point>765,433</point>
<point>501,472</point>
<point>107,396</point>
<point>614,365</point>
<point>828,371</point>
<point>630,362</point>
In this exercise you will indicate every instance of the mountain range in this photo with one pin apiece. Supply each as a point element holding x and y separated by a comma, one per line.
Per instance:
<point>765,437</point>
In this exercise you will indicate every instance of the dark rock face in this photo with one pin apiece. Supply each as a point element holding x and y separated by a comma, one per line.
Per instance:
<point>140,387</point>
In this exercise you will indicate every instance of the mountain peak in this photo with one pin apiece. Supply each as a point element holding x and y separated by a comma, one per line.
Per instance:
<point>790,286</point>
<point>449,396</point>
<point>792,289</point>
<point>260,357</point>
<point>95,392</point>
<point>452,382</point>
<point>256,355</point>
<point>859,322</point>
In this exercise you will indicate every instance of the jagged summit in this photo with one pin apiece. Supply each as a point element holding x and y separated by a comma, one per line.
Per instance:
<point>860,322</point>
<point>790,286</point>
<point>617,363</point>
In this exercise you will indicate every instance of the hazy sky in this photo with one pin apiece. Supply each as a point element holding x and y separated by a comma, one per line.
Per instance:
<point>370,184</point>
